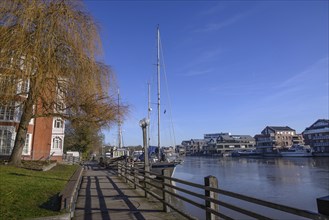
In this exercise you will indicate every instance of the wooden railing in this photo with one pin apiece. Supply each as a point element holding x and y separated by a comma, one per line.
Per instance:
<point>166,191</point>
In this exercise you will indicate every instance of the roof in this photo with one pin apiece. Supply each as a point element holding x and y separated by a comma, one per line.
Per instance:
<point>198,140</point>
<point>236,137</point>
<point>320,123</point>
<point>280,128</point>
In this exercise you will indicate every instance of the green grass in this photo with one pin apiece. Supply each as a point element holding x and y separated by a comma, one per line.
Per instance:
<point>28,193</point>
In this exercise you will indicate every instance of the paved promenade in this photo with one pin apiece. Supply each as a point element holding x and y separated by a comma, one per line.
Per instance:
<point>103,195</point>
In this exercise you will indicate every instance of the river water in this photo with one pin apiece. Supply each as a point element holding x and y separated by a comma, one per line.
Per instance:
<point>295,182</point>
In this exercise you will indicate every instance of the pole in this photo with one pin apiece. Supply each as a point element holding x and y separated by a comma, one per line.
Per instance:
<point>146,158</point>
<point>119,123</point>
<point>144,123</point>
<point>158,76</point>
<point>149,113</point>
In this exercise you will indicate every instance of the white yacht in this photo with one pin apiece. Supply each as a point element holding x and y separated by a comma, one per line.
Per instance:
<point>297,151</point>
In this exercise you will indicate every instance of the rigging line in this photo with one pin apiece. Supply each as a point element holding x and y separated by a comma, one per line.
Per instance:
<point>168,95</point>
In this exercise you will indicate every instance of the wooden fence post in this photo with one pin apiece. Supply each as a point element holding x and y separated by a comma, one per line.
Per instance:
<point>134,175</point>
<point>211,181</point>
<point>119,168</point>
<point>166,196</point>
<point>124,171</point>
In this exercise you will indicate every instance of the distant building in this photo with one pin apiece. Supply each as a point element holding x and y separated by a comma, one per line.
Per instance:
<point>214,135</point>
<point>282,136</point>
<point>317,136</point>
<point>273,138</point>
<point>234,142</point>
<point>181,150</point>
<point>298,139</point>
<point>194,146</point>
<point>198,145</point>
<point>225,142</point>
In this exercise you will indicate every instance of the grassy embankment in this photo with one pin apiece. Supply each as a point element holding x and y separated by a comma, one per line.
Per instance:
<point>28,193</point>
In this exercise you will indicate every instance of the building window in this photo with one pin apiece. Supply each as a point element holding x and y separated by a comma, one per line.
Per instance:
<point>57,143</point>
<point>25,86</point>
<point>7,112</point>
<point>58,123</point>
<point>27,144</point>
<point>5,142</point>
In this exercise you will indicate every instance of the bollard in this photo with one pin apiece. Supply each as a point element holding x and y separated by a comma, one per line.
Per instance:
<point>211,181</point>
<point>166,197</point>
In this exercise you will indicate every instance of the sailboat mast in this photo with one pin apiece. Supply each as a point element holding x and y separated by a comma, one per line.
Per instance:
<point>158,77</point>
<point>119,123</point>
<point>148,113</point>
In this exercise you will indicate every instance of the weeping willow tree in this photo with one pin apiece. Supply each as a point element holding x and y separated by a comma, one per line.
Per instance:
<point>49,52</point>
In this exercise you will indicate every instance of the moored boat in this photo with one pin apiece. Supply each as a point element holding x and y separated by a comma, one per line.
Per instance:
<point>160,158</point>
<point>297,151</point>
<point>246,153</point>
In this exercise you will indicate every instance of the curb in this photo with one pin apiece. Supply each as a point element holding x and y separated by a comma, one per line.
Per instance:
<point>66,216</point>
<point>70,193</point>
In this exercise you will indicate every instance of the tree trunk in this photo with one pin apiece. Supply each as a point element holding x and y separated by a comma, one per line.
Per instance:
<point>16,155</point>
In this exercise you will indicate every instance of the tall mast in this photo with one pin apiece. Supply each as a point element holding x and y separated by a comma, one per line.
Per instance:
<point>119,123</point>
<point>148,113</point>
<point>158,76</point>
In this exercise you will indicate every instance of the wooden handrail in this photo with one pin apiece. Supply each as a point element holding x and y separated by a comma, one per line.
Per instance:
<point>160,180</point>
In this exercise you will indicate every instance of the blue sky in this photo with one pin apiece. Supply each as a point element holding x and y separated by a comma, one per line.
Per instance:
<point>231,66</point>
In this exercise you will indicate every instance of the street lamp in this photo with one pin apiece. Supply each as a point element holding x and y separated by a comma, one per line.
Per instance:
<point>144,123</point>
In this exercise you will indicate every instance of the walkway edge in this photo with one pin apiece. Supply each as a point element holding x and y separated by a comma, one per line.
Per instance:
<point>69,194</point>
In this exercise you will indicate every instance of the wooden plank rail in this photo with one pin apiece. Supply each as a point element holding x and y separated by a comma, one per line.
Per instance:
<point>163,183</point>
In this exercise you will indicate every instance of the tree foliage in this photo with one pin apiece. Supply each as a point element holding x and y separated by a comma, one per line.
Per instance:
<point>83,137</point>
<point>52,46</point>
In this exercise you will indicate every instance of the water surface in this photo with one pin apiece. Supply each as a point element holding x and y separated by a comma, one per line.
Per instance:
<point>295,182</point>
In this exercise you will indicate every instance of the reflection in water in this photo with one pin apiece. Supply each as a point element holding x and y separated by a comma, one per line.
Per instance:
<point>295,182</point>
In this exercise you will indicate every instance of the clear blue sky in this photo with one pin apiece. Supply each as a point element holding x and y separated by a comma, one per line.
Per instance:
<point>231,66</point>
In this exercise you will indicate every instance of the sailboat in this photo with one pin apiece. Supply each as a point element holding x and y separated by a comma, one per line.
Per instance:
<point>158,160</point>
<point>117,152</point>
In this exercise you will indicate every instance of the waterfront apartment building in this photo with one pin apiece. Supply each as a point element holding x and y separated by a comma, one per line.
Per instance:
<point>226,142</point>
<point>197,146</point>
<point>317,136</point>
<point>194,146</point>
<point>218,144</point>
<point>273,138</point>
<point>279,136</point>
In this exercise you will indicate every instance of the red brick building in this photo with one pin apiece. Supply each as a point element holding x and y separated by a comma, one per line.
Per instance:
<point>45,136</point>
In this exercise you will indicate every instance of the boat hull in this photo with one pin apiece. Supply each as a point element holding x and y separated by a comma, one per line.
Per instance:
<point>296,154</point>
<point>158,168</point>
<point>321,154</point>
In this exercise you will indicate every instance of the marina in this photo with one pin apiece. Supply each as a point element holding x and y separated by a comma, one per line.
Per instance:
<point>296,182</point>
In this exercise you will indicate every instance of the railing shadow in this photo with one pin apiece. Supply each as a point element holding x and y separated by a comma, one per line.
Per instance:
<point>53,203</point>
